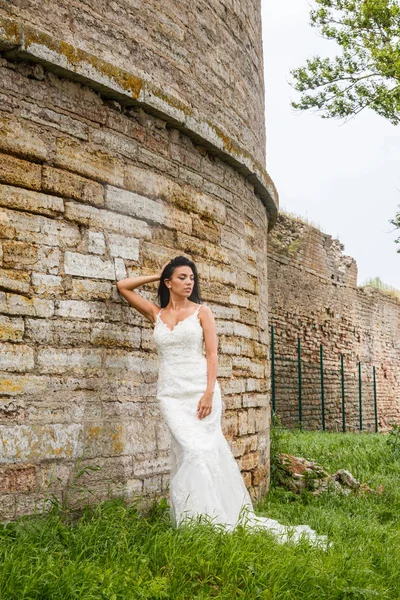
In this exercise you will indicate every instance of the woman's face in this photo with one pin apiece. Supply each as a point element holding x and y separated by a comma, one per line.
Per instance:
<point>181,282</point>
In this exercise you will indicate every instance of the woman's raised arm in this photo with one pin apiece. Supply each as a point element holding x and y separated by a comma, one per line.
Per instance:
<point>126,286</point>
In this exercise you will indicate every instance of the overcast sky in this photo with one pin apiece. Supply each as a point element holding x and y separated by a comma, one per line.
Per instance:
<point>343,177</point>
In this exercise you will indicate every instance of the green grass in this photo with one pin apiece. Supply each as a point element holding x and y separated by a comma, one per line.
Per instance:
<point>112,552</point>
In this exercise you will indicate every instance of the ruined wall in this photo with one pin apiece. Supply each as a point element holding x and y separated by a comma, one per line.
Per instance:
<point>96,185</point>
<point>313,295</point>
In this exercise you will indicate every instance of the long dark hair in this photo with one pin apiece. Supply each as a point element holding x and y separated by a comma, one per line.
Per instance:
<point>163,291</point>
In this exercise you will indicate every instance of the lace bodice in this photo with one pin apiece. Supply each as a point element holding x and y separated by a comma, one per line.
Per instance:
<point>182,343</point>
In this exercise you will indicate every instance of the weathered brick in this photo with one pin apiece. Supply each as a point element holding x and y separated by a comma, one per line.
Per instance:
<point>51,118</point>
<point>133,364</point>
<point>123,246</point>
<point>255,400</point>
<point>59,332</point>
<point>7,507</point>
<point>163,436</point>
<point>120,270</point>
<point>196,247</point>
<point>140,436</point>
<point>232,402</point>
<point>96,242</point>
<point>21,255</point>
<point>233,242</point>
<point>244,331</point>
<point>230,424</point>
<point>47,285</point>
<point>239,299</point>
<point>11,330</point>
<point>249,461</point>
<point>129,203</point>
<point>158,162</point>
<point>86,289</point>
<point>15,281</point>
<point>80,309</point>
<point>104,219</point>
<point>243,422</point>
<point>115,142</point>
<point>177,219</point>
<point>243,365</point>
<point>21,173</point>
<point>190,159</point>
<point>90,161</point>
<point>58,440</point>
<point>18,478</point>
<point>15,385</point>
<point>88,266</point>
<point>153,185</point>
<point>225,328</point>
<point>146,182</point>
<point>38,229</point>
<point>15,304</point>
<point>224,366</point>
<point>70,185</point>
<point>104,334</point>
<point>16,357</point>
<point>151,466</point>
<point>21,199</point>
<point>133,487</point>
<point>151,485</point>
<point>22,139</point>
<point>69,360</point>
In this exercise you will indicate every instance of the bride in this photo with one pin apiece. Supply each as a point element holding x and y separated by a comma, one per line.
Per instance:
<point>205,479</point>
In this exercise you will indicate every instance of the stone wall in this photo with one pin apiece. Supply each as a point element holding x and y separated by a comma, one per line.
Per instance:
<point>92,191</point>
<point>313,295</point>
<point>206,55</point>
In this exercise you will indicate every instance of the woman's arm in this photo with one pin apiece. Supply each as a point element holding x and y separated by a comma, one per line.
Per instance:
<point>126,286</point>
<point>210,338</point>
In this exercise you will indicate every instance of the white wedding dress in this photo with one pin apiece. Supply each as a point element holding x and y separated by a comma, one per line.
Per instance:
<point>205,478</point>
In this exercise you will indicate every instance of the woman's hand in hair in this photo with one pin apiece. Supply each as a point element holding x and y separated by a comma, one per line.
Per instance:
<point>162,269</point>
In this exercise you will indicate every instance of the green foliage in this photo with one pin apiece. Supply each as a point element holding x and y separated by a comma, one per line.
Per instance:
<point>113,552</point>
<point>277,472</point>
<point>396,223</point>
<point>376,282</point>
<point>394,438</point>
<point>366,73</point>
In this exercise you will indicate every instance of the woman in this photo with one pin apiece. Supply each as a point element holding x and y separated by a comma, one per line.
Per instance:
<point>205,478</point>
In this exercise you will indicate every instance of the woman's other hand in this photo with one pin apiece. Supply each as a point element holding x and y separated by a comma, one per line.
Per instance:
<point>204,406</point>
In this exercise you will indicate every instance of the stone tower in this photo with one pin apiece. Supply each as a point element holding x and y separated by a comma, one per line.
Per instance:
<point>130,131</point>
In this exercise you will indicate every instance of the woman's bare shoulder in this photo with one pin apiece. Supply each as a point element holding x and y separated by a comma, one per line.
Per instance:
<point>205,312</point>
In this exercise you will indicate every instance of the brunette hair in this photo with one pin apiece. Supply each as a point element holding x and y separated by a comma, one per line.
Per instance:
<point>163,291</point>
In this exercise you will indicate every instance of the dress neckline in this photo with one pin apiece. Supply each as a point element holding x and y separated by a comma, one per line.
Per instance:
<point>178,323</point>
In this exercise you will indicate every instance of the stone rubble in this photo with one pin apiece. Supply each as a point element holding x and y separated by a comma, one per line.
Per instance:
<point>300,475</point>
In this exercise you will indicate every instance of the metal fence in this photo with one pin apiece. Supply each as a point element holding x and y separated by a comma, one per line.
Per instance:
<point>316,395</point>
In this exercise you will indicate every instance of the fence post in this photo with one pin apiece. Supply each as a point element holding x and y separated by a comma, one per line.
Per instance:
<point>300,382</point>
<point>343,408</point>
<point>360,394</point>
<point>273,368</point>
<point>321,365</point>
<point>375,403</point>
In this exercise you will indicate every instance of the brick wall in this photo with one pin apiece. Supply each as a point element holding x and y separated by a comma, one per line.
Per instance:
<point>206,54</point>
<point>91,192</point>
<point>313,295</point>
